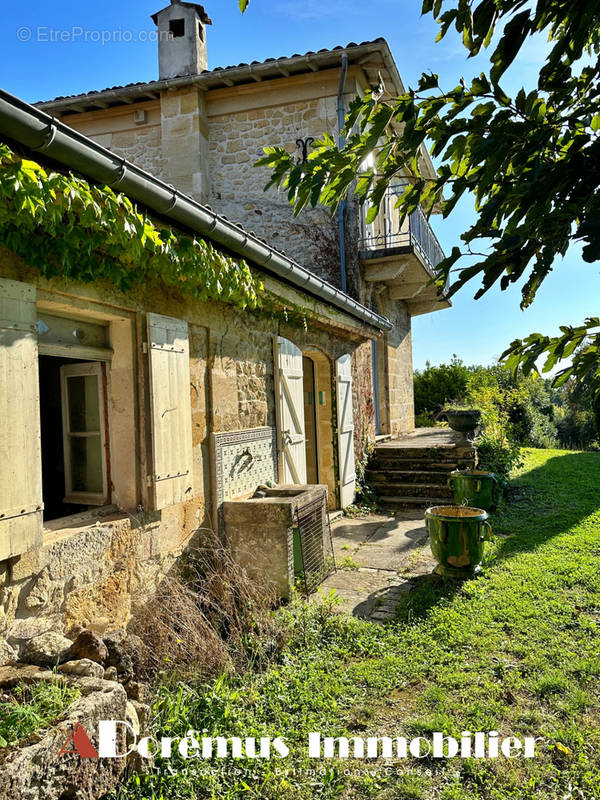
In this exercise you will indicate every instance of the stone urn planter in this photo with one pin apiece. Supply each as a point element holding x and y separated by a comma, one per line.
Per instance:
<point>465,422</point>
<point>457,535</point>
<point>474,487</point>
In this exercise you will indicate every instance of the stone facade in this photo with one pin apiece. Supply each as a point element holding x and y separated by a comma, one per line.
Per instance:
<point>98,570</point>
<point>236,141</point>
<point>396,386</point>
<point>117,130</point>
<point>206,144</point>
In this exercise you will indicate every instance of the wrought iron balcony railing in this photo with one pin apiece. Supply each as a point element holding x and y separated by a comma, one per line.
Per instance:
<point>386,233</point>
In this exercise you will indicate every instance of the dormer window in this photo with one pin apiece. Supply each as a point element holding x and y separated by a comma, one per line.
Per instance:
<point>177,28</point>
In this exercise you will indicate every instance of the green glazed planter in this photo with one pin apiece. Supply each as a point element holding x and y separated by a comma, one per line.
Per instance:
<point>475,488</point>
<point>457,535</point>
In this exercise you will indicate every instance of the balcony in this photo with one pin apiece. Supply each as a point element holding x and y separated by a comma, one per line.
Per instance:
<point>404,257</point>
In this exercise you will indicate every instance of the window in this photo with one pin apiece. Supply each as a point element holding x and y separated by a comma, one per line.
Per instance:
<point>177,28</point>
<point>83,392</point>
<point>68,412</point>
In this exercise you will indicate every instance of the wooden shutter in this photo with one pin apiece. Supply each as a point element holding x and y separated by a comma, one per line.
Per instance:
<point>289,389</point>
<point>345,431</point>
<point>21,505</point>
<point>171,410</point>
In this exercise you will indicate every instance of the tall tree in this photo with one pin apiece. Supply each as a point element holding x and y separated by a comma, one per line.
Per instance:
<point>532,161</point>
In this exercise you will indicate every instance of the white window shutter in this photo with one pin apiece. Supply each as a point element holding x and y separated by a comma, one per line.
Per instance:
<point>345,431</point>
<point>171,410</point>
<point>289,396</point>
<point>21,506</point>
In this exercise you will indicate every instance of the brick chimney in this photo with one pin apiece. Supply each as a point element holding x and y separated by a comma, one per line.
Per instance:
<point>181,39</point>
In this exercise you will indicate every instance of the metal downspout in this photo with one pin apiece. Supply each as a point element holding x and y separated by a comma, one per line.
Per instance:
<point>341,108</point>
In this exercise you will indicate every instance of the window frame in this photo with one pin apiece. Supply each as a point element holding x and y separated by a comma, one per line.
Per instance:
<point>98,369</point>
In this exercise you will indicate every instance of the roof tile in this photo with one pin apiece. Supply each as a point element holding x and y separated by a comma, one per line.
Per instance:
<point>217,70</point>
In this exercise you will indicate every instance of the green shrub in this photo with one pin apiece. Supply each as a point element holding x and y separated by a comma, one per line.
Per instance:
<point>498,455</point>
<point>425,420</point>
<point>435,386</point>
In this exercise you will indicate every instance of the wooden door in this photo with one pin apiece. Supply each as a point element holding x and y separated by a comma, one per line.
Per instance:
<point>21,505</point>
<point>345,431</point>
<point>289,395</point>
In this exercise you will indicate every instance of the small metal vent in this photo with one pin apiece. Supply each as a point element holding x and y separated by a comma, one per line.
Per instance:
<point>314,558</point>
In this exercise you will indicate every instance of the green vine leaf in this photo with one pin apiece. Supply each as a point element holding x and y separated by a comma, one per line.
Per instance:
<point>65,227</point>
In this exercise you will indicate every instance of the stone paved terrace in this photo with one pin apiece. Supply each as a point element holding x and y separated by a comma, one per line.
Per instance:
<point>378,558</point>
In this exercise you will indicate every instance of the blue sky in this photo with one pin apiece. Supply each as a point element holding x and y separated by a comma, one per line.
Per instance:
<point>36,65</point>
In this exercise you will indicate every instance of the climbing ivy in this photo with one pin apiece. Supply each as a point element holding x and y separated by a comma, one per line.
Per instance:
<point>65,227</point>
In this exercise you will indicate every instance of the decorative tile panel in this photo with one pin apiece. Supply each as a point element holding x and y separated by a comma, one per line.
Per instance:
<point>243,461</point>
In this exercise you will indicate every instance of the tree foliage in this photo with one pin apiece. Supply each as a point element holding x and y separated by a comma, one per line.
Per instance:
<point>435,386</point>
<point>65,227</point>
<point>531,162</point>
<point>518,408</point>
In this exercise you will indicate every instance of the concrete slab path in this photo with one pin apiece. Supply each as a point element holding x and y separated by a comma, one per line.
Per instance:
<point>378,557</point>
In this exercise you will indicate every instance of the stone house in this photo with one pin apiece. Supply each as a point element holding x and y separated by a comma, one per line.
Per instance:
<point>128,418</point>
<point>203,130</point>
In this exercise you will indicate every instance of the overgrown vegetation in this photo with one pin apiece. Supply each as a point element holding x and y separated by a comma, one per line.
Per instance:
<point>27,709</point>
<point>66,227</point>
<point>515,650</point>
<point>208,618</point>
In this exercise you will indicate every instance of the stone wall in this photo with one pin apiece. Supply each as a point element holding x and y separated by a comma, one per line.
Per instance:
<point>206,144</point>
<point>96,572</point>
<point>117,130</point>
<point>399,383</point>
<point>236,142</point>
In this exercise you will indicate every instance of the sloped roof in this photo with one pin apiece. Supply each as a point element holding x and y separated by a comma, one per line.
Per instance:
<point>373,56</point>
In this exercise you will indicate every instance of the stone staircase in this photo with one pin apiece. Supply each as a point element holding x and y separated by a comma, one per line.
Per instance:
<point>412,472</point>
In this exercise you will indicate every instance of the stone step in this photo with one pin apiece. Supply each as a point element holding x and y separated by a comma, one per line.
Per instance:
<point>413,489</point>
<point>419,453</point>
<point>411,502</point>
<point>385,476</point>
<point>409,464</point>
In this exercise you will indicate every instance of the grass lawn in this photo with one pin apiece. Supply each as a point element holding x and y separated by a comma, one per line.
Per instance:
<point>517,651</point>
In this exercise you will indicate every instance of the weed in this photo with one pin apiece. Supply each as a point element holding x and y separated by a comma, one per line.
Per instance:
<point>208,618</point>
<point>30,708</point>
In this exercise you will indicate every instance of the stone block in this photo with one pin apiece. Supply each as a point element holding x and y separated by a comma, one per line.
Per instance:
<point>34,771</point>
<point>46,650</point>
<point>190,102</point>
<point>26,565</point>
<point>179,126</point>
<point>170,105</point>
<point>22,630</point>
<point>83,667</point>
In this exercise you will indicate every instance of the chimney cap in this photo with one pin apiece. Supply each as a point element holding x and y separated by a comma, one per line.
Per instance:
<point>200,11</point>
